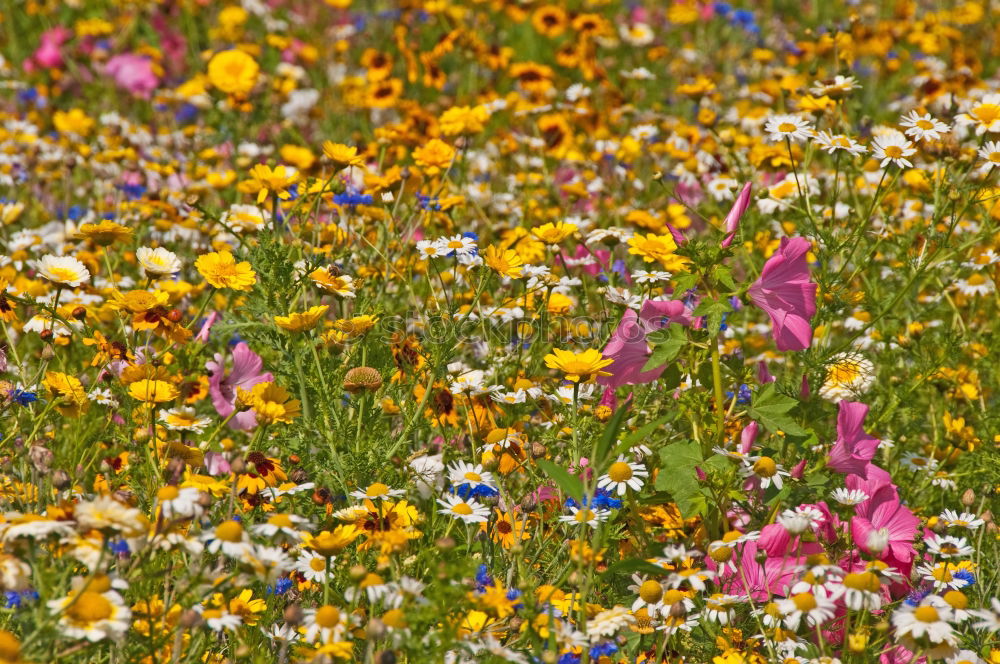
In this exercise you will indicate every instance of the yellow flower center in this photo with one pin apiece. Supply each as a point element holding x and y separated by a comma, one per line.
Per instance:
<point>787,127</point>
<point>90,607</point>
<point>651,591</point>
<point>62,274</point>
<point>804,601</point>
<point>376,489</point>
<point>281,521</point>
<point>927,614</point>
<point>987,114</point>
<point>318,564</point>
<point>721,554</point>
<point>230,531</point>
<point>620,472</point>
<point>893,151</point>
<point>956,600</point>
<point>672,596</point>
<point>327,616</point>
<point>473,477</point>
<point>169,492</point>
<point>10,647</point>
<point>462,508</point>
<point>863,581</point>
<point>925,124</point>
<point>583,515</point>
<point>765,467</point>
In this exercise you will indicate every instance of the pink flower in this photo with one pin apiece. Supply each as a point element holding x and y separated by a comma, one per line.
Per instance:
<point>735,214</point>
<point>206,327</point>
<point>786,294</point>
<point>882,526</point>
<point>628,347</point>
<point>762,581</point>
<point>854,448</point>
<point>246,373</point>
<point>656,314</point>
<point>49,51</point>
<point>133,73</point>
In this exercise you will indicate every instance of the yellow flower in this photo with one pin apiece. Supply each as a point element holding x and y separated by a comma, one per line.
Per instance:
<point>587,364</point>
<point>221,270</point>
<point>234,72</point>
<point>69,391</point>
<point>329,543</point>
<point>104,233</point>
<point>74,121</point>
<point>356,325</point>
<point>338,284</point>
<point>657,248</point>
<point>271,402</point>
<point>277,180</point>
<point>434,157</point>
<point>554,233</point>
<point>463,119</point>
<point>342,155</point>
<point>152,391</point>
<point>300,157</point>
<point>300,322</point>
<point>505,262</point>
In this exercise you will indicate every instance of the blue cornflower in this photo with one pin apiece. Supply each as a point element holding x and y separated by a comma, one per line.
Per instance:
<point>722,8</point>
<point>917,596</point>
<point>569,658</point>
<point>467,491</point>
<point>22,397</point>
<point>965,575</point>
<point>280,588</point>
<point>483,579</point>
<point>603,649</point>
<point>350,199</point>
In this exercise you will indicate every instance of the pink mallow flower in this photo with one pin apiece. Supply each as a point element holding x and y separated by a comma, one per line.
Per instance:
<point>49,51</point>
<point>882,526</point>
<point>245,374</point>
<point>133,73</point>
<point>786,294</point>
<point>854,449</point>
<point>732,222</point>
<point>628,347</point>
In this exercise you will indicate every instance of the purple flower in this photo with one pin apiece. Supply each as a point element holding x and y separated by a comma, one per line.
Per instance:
<point>735,214</point>
<point>854,449</point>
<point>786,294</point>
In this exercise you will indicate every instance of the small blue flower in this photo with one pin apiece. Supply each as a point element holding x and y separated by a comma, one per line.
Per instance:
<point>22,397</point>
<point>603,649</point>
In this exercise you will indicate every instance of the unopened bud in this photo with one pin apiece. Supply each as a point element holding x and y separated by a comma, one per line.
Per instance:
<point>375,629</point>
<point>293,614</point>
<point>60,479</point>
<point>445,543</point>
<point>174,315</point>
<point>969,498</point>
<point>79,313</point>
<point>538,450</point>
<point>191,619</point>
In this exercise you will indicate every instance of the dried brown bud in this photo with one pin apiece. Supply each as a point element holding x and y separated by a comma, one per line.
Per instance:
<point>60,479</point>
<point>362,378</point>
<point>41,457</point>
<point>375,629</point>
<point>538,450</point>
<point>298,475</point>
<point>238,465</point>
<point>79,313</point>
<point>191,619</point>
<point>293,614</point>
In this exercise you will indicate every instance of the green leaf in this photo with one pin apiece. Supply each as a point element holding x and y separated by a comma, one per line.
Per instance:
<point>571,485</point>
<point>724,275</point>
<point>713,311</point>
<point>641,434</point>
<point>610,434</point>
<point>667,345</point>
<point>771,408</point>
<point>677,477</point>
<point>634,565</point>
<point>683,283</point>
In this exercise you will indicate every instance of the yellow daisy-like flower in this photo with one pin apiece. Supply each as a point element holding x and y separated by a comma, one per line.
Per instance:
<point>104,233</point>
<point>506,262</point>
<point>338,284</point>
<point>276,180</point>
<point>342,155</point>
<point>355,326</point>
<point>69,391</point>
<point>329,543</point>
<point>463,119</point>
<point>153,391</point>
<point>660,248</point>
<point>587,364</point>
<point>221,270</point>
<point>234,72</point>
<point>554,233</point>
<point>300,322</point>
<point>434,157</point>
<point>271,402</point>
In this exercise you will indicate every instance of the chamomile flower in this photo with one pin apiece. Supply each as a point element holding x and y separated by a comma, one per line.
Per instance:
<point>765,470</point>
<point>229,538</point>
<point>788,127</point>
<point>862,591</point>
<point>989,618</point>
<point>945,575</point>
<point>975,284</point>
<point>847,376</point>
<point>893,148</point>
<point>649,594</point>
<point>645,277</point>
<point>312,567</point>
<point>585,515</point>
<point>468,511</point>
<point>623,475</point>
<point>282,525</point>
<point>990,153</point>
<point>377,491</point>
<point>833,143</point>
<point>926,627</point>
<point>813,608</point>
<point>471,474</point>
<point>849,497</point>
<point>719,607</point>
<point>324,624</point>
<point>179,502</point>
<point>966,520</point>
<point>431,249</point>
<point>923,127</point>
<point>92,615</point>
<point>183,418</point>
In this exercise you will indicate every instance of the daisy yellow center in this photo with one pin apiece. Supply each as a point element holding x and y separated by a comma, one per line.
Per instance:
<point>765,467</point>
<point>672,596</point>
<point>949,548</point>
<point>893,151</point>
<point>863,581</point>
<point>956,599</point>
<point>462,508</point>
<point>987,114</point>
<point>977,280</point>
<point>918,461</point>
<point>620,472</point>
<point>583,515</point>
<point>804,601</point>
<point>844,373</point>
<point>317,564</point>
<point>994,157</point>
<point>281,521</point>
<point>927,614</point>
<point>473,477</point>
<point>942,574</point>
<point>90,607</point>
<point>230,531</point>
<point>62,273</point>
<point>10,647</point>
<point>168,493</point>
<point>377,489</point>
<point>721,554</point>
<point>787,127</point>
<point>841,141</point>
<point>925,124</point>
<point>327,616</point>
<point>651,591</point>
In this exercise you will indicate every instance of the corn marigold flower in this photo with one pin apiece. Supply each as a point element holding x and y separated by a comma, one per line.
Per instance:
<point>71,398</point>
<point>585,365</point>
<point>233,72</point>
<point>271,403</point>
<point>153,391</point>
<point>220,269</point>
<point>104,233</point>
<point>277,181</point>
<point>434,156</point>
<point>301,322</point>
<point>505,262</point>
<point>342,155</point>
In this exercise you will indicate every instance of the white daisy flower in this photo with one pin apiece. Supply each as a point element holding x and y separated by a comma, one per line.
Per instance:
<point>893,149</point>
<point>923,127</point>
<point>468,511</point>
<point>788,127</point>
<point>623,475</point>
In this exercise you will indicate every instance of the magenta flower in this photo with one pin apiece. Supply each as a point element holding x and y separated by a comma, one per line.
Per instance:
<point>854,449</point>
<point>628,346</point>
<point>786,294</point>
<point>133,73</point>
<point>245,374</point>
<point>759,581</point>
<point>732,222</point>
<point>882,526</point>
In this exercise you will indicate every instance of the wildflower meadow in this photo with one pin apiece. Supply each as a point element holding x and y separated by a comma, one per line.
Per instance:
<point>479,331</point>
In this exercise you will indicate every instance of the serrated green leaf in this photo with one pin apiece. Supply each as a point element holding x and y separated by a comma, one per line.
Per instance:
<point>713,311</point>
<point>683,283</point>
<point>667,346</point>
<point>571,485</point>
<point>677,477</point>
<point>724,275</point>
<point>771,409</point>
